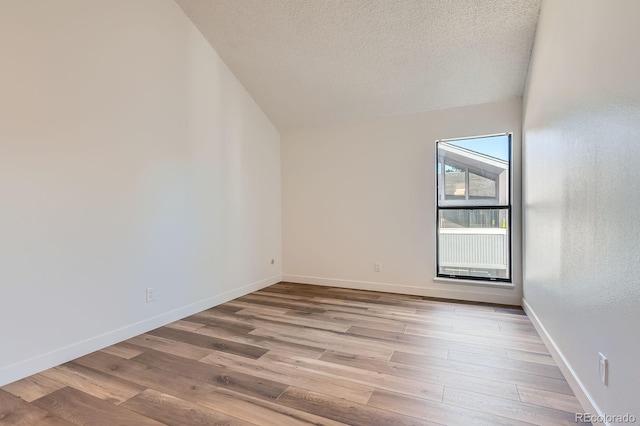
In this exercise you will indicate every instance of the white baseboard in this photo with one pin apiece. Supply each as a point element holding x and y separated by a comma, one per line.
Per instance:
<point>565,367</point>
<point>450,293</point>
<point>28,367</point>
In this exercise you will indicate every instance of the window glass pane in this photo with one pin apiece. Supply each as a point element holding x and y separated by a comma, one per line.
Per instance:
<point>476,171</point>
<point>471,218</point>
<point>481,187</point>
<point>492,146</point>
<point>454,182</point>
<point>474,243</point>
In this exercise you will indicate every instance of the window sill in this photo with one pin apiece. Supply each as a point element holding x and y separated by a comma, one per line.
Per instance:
<point>475,283</point>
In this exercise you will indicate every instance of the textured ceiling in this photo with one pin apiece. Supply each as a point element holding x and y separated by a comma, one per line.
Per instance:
<point>312,63</point>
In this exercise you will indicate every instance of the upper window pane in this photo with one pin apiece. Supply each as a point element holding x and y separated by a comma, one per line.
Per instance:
<point>474,171</point>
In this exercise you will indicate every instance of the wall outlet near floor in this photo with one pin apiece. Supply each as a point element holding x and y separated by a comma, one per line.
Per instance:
<point>378,267</point>
<point>151,294</point>
<point>603,365</point>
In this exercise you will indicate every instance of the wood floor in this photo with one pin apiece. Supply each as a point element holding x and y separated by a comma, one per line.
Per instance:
<point>296,354</point>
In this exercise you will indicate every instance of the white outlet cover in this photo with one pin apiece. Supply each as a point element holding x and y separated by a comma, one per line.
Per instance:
<point>151,294</point>
<point>602,368</point>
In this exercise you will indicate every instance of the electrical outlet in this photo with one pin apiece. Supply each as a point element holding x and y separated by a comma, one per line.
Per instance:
<point>603,365</point>
<point>378,267</point>
<point>151,294</point>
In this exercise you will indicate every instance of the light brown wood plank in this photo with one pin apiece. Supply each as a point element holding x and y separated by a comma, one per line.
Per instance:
<point>420,344</point>
<point>122,351</point>
<point>252,319</point>
<point>337,300</point>
<point>488,373</point>
<point>503,335</point>
<point>208,342</point>
<point>314,291</point>
<point>355,305</point>
<point>515,310</point>
<point>368,378</point>
<point>547,399</point>
<point>187,324</point>
<point>306,306</point>
<point>315,338</point>
<point>227,307</point>
<point>530,357</point>
<point>224,320</point>
<point>16,412</point>
<point>239,305</point>
<point>442,376</point>
<point>33,387</point>
<point>344,411</point>
<point>399,297</point>
<point>348,319</point>
<point>515,410</point>
<point>293,376</point>
<point>318,322</point>
<point>519,327</point>
<point>83,409</point>
<point>436,411</point>
<point>465,326</point>
<point>293,296</point>
<point>217,375</point>
<point>430,317</point>
<point>178,412</point>
<point>265,342</point>
<point>93,382</point>
<point>485,340</point>
<point>465,311</point>
<point>174,347</point>
<point>507,364</point>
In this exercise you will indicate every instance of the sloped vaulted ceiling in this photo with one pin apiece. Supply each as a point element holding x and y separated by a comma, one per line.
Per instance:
<point>311,63</point>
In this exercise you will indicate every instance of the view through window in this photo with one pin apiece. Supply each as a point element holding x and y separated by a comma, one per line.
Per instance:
<point>474,208</point>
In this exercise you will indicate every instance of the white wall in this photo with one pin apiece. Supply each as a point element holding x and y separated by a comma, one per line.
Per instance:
<point>582,162</point>
<point>355,195</point>
<point>130,157</point>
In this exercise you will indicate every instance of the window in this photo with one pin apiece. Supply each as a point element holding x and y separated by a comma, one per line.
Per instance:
<point>474,208</point>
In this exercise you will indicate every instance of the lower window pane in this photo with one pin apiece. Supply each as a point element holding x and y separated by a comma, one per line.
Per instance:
<point>473,243</point>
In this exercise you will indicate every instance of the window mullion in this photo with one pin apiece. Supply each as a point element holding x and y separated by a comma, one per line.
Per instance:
<point>466,183</point>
